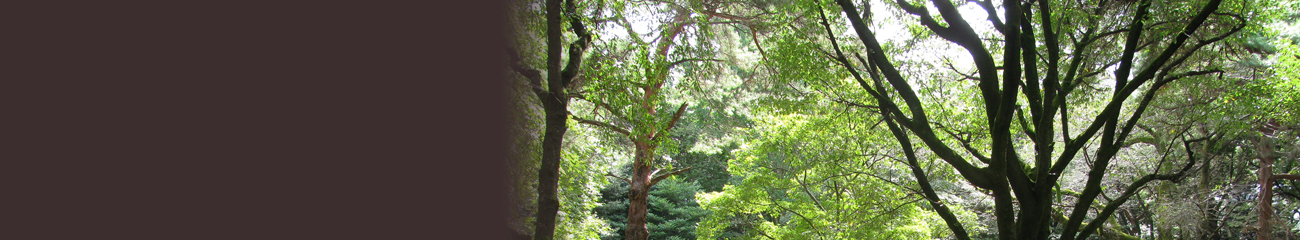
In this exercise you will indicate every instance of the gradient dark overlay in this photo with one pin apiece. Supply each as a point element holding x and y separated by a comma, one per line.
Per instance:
<point>254,120</point>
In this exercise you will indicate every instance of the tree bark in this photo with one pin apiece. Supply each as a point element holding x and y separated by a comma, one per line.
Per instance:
<point>643,178</point>
<point>555,102</point>
<point>647,139</point>
<point>1265,230</point>
<point>1209,227</point>
<point>555,105</point>
<point>639,193</point>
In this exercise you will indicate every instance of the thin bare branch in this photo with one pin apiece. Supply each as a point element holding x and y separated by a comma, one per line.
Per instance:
<point>675,63</point>
<point>656,179</point>
<point>611,127</point>
<point>629,181</point>
<point>671,123</point>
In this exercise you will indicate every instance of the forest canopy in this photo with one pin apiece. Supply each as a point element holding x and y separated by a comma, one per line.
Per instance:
<point>904,119</point>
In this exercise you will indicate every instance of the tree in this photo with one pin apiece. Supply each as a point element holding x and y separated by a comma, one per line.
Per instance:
<point>1153,52</point>
<point>1277,124</point>
<point>555,102</point>
<point>630,92</point>
<point>672,212</point>
<point>914,119</point>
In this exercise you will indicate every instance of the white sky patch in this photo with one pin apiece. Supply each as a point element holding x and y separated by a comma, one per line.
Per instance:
<point>891,31</point>
<point>978,20</point>
<point>891,28</point>
<point>640,21</point>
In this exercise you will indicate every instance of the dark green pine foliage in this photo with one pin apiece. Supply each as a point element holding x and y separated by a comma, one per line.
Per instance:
<point>673,212</point>
<point>707,169</point>
<point>706,123</point>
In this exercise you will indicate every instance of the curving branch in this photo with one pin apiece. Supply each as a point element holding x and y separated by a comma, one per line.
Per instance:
<point>1112,108</point>
<point>533,76</point>
<point>992,12</point>
<point>816,202</point>
<point>675,27</point>
<point>927,190</point>
<point>920,126</point>
<point>656,179</point>
<point>577,48</point>
<point>964,139</point>
<point>1137,185</point>
<point>671,123</point>
<point>629,181</point>
<point>877,94</point>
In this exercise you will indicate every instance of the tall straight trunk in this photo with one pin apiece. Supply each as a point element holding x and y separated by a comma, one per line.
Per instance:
<point>1265,188</point>
<point>548,203</point>
<point>639,193</point>
<point>556,106</point>
<point>1209,227</point>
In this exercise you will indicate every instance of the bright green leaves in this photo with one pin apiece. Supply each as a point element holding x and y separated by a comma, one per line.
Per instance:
<point>816,177</point>
<point>579,188</point>
<point>1286,84</point>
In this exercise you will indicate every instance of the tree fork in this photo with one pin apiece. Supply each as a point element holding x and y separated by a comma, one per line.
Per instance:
<point>555,104</point>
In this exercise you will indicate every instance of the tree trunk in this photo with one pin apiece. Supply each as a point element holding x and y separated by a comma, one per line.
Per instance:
<point>1265,188</point>
<point>1035,222</point>
<point>639,193</point>
<point>1209,227</point>
<point>548,177</point>
<point>556,106</point>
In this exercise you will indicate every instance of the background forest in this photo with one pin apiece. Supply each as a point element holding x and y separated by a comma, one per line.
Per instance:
<point>904,119</point>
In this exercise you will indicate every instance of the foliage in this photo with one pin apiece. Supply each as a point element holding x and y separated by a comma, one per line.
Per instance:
<point>580,181</point>
<point>673,210</point>
<point>794,130</point>
<point>808,182</point>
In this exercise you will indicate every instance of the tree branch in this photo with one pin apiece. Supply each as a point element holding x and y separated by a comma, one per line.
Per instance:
<point>928,191</point>
<point>656,179</point>
<point>851,103</point>
<point>1285,176</point>
<point>878,95</point>
<point>674,27</point>
<point>1112,108</point>
<point>992,12</point>
<point>920,125</point>
<point>671,123</point>
<point>1132,189</point>
<point>607,107</point>
<point>673,64</point>
<point>534,77</point>
<point>577,48</point>
<point>1024,126</point>
<point>601,124</point>
<point>629,181</point>
<point>753,34</point>
<point>965,143</point>
<point>818,203</point>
